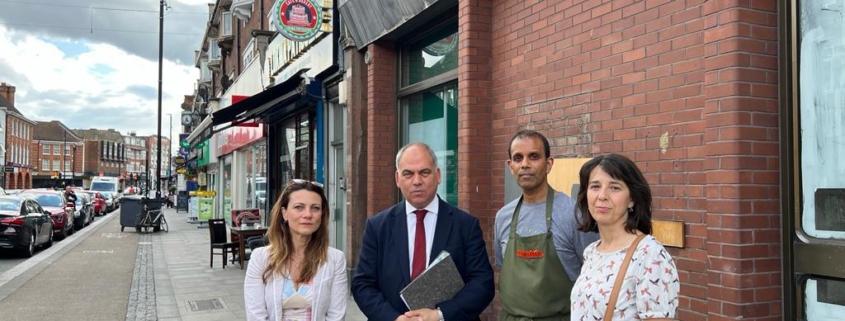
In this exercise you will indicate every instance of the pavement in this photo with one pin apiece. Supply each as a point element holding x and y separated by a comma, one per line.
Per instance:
<point>101,273</point>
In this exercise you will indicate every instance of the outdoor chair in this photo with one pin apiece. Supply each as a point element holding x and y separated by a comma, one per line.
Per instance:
<point>219,240</point>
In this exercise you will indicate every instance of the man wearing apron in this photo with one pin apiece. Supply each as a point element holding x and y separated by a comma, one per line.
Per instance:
<point>537,246</point>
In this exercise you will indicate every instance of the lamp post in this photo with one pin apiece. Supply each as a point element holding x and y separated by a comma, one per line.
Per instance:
<point>170,153</point>
<point>160,54</point>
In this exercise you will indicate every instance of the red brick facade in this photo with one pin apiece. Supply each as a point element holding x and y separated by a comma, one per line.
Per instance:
<point>621,76</point>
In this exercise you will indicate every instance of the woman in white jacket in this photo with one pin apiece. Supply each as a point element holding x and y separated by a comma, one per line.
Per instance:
<point>297,276</point>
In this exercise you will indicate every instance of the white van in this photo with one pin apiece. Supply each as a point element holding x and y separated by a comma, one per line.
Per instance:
<point>106,184</point>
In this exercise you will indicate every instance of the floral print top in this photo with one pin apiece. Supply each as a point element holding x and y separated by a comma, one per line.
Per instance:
<point>649,290</point>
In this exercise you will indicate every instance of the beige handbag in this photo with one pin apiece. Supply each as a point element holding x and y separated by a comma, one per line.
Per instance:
<point>620,277</point>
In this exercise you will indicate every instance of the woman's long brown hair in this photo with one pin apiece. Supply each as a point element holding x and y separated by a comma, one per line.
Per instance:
<point>279,236</point>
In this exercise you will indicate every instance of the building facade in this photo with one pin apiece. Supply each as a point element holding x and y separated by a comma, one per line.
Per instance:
<point>136,160</point>
<point>270,96</point>
<point>17,132</point>
<point>726,106</point>
<point>105,154</point>
<point>152,143</point>
<point>58,154</point>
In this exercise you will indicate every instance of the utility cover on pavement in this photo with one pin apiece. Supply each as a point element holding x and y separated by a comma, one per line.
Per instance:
<point>205,305</point>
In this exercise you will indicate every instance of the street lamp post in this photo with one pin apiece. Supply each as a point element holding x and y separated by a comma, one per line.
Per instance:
<point>160,54</point>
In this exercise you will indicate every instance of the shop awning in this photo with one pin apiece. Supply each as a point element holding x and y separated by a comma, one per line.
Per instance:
<point>391,19</point>
<point>257,105</point>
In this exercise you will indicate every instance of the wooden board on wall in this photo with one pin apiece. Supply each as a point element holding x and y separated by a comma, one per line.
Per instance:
<point>669,233</point>
<point>564,175</point>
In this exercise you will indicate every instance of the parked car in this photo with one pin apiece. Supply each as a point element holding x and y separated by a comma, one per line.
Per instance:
<point>24,225</point>
<point>100,206</point>
<point>56,204</point>
<point>111,201</point>
<point>13,191</point>
<point>83,211</point>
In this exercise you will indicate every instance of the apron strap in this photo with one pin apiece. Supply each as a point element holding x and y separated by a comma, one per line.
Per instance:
<point>550,200</point>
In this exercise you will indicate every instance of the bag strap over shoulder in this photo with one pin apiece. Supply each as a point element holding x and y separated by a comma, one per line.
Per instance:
<point>623,268</point>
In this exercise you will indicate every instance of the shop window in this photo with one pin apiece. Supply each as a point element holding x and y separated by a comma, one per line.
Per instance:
<point>429,101</point>
<point>825,299</point>
<point>815,184</point>
<point>822,118</point>
<point>298,148</point>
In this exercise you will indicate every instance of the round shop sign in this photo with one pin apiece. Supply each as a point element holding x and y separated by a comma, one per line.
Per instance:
<point>297,20</point>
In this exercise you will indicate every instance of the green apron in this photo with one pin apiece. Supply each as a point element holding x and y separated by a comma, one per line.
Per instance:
<point>533,284</point>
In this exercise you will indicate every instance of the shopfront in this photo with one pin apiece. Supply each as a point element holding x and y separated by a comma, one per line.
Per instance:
<point>241,167</point>
<point>290,116</point>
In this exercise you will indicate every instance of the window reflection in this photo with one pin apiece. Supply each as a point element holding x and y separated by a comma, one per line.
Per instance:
<point>430,57</point>
<point>431,117</point>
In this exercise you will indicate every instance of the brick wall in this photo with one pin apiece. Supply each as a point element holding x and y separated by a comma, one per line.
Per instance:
<point>623,76</point>
<point>381,124</point>
<point>741,143</point>
<point>475,167</point>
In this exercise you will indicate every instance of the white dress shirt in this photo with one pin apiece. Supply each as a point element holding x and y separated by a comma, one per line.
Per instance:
<point>430,222</point>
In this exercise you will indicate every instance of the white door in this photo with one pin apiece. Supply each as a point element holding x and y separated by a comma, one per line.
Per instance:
<point>337,176</point>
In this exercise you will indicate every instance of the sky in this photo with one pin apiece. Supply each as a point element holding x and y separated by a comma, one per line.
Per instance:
<point>94,63</point>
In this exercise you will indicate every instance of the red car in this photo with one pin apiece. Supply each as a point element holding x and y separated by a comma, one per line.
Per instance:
<point>100,207</point>
<point>56,204</point>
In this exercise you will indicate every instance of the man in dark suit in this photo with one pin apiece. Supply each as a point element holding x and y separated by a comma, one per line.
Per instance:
<point>393,252</point>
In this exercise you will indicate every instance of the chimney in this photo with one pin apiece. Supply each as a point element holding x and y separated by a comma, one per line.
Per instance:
<point>8,92</point>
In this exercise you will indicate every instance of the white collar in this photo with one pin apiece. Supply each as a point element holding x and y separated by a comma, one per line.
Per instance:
<point>432,207</point>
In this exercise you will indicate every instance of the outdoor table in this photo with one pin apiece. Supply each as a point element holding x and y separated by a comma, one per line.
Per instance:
<point>243,233</point>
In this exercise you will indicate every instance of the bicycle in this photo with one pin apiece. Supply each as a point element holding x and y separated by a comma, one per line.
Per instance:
<point>148,219</point>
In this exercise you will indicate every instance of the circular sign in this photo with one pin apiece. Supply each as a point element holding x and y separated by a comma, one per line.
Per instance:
<point>184,144</point>
<point>178,160</point>
<point>297,20</point>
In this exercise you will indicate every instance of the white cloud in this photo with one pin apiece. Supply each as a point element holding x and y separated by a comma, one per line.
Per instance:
<point>89,84</point>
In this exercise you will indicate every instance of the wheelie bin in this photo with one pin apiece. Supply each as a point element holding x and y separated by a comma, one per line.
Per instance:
<point>130,208</point>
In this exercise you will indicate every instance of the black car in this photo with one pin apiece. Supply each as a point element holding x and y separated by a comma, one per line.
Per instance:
<point>24,225</point>
<point>83,211</point>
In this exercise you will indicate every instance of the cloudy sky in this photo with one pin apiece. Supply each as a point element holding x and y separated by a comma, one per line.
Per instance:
<point>94,63</point>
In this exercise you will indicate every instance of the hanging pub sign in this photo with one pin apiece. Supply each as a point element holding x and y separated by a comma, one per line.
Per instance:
<point>297,20</point>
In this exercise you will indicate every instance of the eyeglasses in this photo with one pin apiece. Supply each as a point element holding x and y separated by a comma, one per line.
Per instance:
<point>303,182</point>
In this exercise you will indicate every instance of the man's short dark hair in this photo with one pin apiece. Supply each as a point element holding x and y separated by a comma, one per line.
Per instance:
<point>527,133</point>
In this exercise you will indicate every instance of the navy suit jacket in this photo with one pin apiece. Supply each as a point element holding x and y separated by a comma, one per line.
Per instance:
<point>383,268</point>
